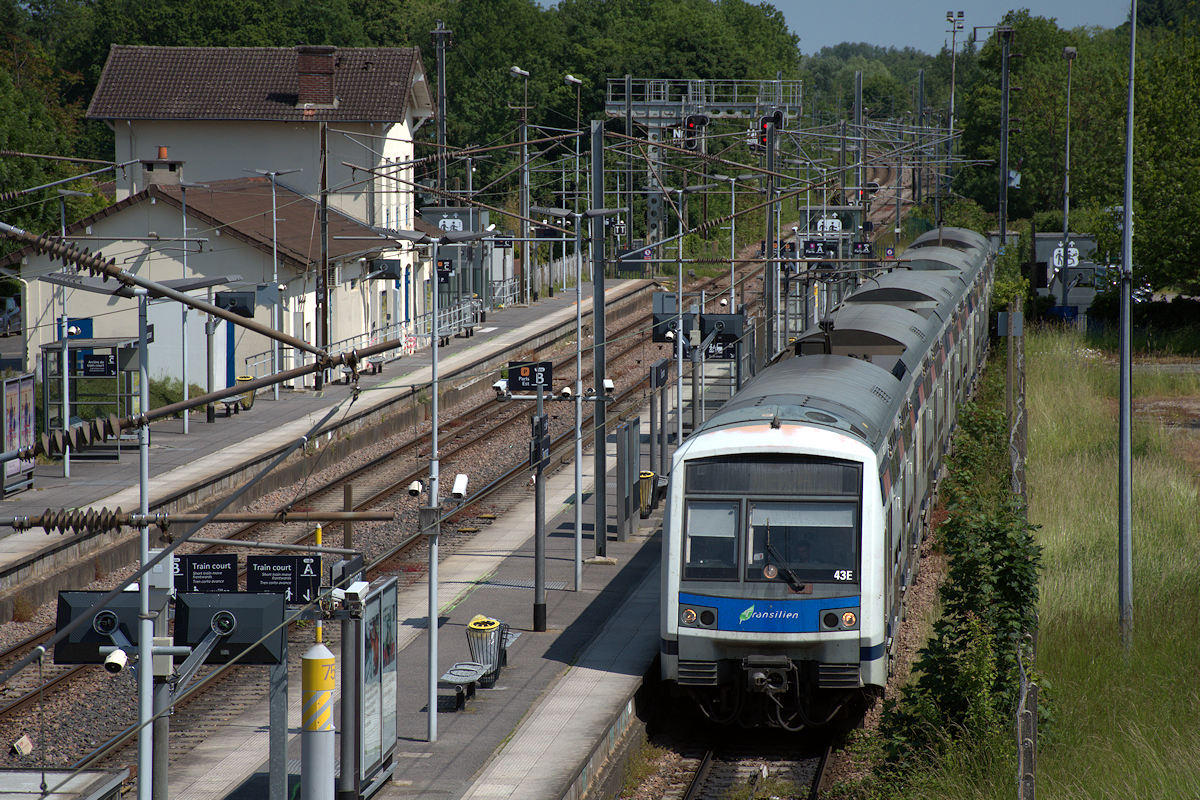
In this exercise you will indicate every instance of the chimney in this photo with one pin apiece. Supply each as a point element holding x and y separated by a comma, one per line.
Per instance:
<point>162,170</point>
<point>314,70</point>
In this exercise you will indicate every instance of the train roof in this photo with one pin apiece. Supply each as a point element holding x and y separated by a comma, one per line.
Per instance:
<point>868,325</point>
<point>837,392</point>
<point>923,292</point>
<point>957,238</point>
<point>943,258</point>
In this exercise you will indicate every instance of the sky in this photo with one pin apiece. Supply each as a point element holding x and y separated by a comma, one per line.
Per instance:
<point>922,23</point>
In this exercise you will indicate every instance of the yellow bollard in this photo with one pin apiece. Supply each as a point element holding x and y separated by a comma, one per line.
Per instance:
<point>317,738</point>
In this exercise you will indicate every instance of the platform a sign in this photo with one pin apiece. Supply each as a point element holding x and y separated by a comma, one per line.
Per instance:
<point>297,578</point>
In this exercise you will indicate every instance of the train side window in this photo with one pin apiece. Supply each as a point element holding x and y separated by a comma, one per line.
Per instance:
<point>710,546</point>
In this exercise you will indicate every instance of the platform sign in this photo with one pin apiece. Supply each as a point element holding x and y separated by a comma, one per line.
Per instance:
<point>819,248</point>
<point>99,365</point>
<point>377,671</point>
<point>297,578</point>
<point>196,572</point>
<point>862,249</point>
<point>530,375</point>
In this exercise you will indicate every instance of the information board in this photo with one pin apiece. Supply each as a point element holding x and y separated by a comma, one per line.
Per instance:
<point>297,578</point>
<point>377,668</point>
<point>197,572</point>
<point>530,375</point>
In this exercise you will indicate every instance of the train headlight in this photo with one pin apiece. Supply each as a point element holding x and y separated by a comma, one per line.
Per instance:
<point>770,572</point>
<point>849,619</point>
<point>688,616</point>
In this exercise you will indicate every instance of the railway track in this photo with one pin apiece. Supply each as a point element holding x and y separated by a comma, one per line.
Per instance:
<point>762,769</point>
<point>379,481</point>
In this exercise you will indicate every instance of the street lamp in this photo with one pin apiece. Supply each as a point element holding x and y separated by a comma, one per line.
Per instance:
<point>273,175</point>
<point>682,193</point>
<point>449,237</point>
<point>571,80</point>
<point>183,187</point>
<point>578,217</point>
<point>63,194</point>
<point>956,22</point>
<point>517,72</point>
<point>1069,54</point>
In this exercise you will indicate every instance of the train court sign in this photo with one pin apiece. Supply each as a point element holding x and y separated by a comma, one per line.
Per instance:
<point>206,573</point>
<point>297,578</point>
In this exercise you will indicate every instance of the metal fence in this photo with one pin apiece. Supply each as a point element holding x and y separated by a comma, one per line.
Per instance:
<point>409,336</point>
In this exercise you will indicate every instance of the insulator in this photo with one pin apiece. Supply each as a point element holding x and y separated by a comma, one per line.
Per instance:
<point>42,446</point>
<point>57,441</point>
<point>112,426</point>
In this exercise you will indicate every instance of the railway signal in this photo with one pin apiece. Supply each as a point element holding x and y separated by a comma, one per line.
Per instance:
<point>693,127</point>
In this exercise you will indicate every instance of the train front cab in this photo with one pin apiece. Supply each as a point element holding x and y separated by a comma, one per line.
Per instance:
<point>775,600</point>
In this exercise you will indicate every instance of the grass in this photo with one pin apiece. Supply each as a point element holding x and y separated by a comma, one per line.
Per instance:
<point>1124,722</point>
<point>1118,724</point>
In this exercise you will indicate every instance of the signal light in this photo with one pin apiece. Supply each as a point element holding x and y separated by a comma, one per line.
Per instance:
<point>692,125</point>
<point>763,124</point>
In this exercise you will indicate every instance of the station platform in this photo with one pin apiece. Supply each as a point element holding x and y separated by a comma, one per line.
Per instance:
<point>556,711</point>
<point>181,461</point>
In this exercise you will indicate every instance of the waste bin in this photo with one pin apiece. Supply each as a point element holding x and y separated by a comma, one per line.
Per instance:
<point>483,640</point>
<point>645,492</point>
<point>248,397</point>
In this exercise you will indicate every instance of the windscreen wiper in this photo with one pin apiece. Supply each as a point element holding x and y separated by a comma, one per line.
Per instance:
<point>792,581</point>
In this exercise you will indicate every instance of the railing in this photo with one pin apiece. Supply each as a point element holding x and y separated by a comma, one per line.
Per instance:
<point>410,336</point>
<point>505,292</point>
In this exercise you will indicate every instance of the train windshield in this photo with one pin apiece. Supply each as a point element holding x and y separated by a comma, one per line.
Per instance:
<point>802,543</point>
<point>710,547</point>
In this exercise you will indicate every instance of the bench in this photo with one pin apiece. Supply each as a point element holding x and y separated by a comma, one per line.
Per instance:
<point>375,364</point>
<point>232,405</point>
<point>462,677</point>
<point>467,331</point>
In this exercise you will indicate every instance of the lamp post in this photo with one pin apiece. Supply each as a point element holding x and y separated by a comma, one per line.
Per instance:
<point>525,278</point>
<point>956,22</point>
<point>273,174</point>
<point>1069,54</point>
<point>571,80</point>
<point>63,194</point>
<point>183,187</point>
<point>416,237</point>
<point>682,193</point>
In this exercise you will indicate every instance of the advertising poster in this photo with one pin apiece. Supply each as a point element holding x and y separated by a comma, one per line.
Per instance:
<point>28,429</point>
<point>372,742</point>
<point>388,673</point>
<point>377,668</point>
<point>12,425</point>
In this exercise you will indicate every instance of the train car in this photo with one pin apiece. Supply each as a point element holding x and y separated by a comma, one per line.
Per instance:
<point>794,514</point>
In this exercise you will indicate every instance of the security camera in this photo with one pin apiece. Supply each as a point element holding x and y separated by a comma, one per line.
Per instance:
<point>500,387</point>
<point>74,330</point>
<point>565,393</point>
<point>609,386</point>
<point>116,661</point>
<point>105,623</point>
<point>283,287</point>
<point>723,302</point>
<point>590,392</point>
<point>223,623</point>
<point>670,336</point>
<point>415,488</point>
<point>356,593</point>
<point>460,487</point>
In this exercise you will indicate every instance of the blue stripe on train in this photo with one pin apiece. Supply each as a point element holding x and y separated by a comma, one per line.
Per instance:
<point>769,616</point>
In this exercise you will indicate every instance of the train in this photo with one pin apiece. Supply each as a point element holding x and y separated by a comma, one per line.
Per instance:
<point>794,515</point>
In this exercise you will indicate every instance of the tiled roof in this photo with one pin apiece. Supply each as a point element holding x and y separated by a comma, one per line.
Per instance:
<point>371,84</point>
<point>241,208</point>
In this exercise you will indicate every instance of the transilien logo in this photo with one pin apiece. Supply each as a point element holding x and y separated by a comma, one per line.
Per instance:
<point>746,615</point>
